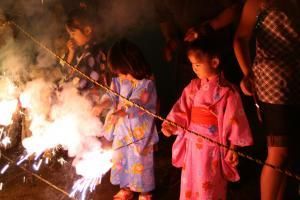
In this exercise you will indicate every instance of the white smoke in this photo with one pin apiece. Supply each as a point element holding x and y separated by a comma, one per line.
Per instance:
<point>59,118</point>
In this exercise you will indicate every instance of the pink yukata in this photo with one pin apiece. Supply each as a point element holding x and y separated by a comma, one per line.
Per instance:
<point>212,108</point>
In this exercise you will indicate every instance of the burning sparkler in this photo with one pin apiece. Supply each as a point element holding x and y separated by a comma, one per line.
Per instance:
<point>92,166</point>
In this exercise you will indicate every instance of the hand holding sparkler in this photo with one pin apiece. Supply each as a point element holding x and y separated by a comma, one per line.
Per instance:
<point>168,129</point>
<point>98,109</point>
<point>232,157</point>
<point>115,116</point>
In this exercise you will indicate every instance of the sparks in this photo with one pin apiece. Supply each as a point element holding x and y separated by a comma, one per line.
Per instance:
<point>61,160</point>
<point>47,161</point>
<point>37,166</point>
<point>23,158</point>
<point>4,169</point>
<point>6,141</point>
<point>1,131</point>
<point>83,184</point>
<point>92,171</point>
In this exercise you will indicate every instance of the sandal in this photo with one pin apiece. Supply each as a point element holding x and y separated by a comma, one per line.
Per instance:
<point>124,194</point>
<point>145,197</point>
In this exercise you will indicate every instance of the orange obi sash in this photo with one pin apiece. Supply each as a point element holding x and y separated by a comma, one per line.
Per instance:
<point>203,116</point>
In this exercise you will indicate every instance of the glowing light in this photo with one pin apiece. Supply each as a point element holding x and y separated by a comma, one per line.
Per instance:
<point>62,161</point>
<point>23,158</point>
<point>4,169</point>
<point>7,107</point>
<point>8,101</point>
<point>25,100</point>
<point>37,166</point>
<point>1,186</point>
<point>92,166</point>
<point>82,185</point>
<point>6,141</point>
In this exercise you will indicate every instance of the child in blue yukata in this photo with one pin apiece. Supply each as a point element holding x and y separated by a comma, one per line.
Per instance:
<point>132,130</point>
<point>85,54</point>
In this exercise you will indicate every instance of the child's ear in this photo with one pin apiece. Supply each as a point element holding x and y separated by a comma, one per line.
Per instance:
<point>87,30</point>
<point>215,62</point>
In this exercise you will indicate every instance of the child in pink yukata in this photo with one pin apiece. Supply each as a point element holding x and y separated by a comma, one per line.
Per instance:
<point>211,107</point>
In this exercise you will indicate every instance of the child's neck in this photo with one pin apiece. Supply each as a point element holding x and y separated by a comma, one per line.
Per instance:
<point>131,78</point>
<point>211,77</point>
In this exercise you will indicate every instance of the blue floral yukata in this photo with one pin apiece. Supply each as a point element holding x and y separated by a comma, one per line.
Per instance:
<point>134,135</point>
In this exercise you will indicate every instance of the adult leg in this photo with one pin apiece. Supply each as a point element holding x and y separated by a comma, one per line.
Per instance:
<point>272,182</point>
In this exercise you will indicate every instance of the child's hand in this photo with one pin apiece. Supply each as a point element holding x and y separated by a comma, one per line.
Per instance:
<point>115,116</point>
<point>97,110</point>
<point>191,35</point>
<point>232,158</point>
<point>120,113</point>
<point>168,129</point>
<point>71,45</point>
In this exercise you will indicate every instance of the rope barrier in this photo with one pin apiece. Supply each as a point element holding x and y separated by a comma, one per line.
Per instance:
<point>107,89</point>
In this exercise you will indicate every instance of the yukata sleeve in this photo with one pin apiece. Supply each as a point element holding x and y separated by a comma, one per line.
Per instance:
<point>144,96</point>
<point>109,126</point>
<point>91,70</point>
<point>236,131</point>
<point>236,127</point>
<point>108,95</point>
<point>180,112</point>
<point>141,125</point>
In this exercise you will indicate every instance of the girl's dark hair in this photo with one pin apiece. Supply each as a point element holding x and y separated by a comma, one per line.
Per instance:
<point>208,45</point>
<point>78,19</point>
<point>126,58</point>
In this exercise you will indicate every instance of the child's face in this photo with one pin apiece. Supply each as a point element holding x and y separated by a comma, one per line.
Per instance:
<point>80,37</point>
<point>203,65</point>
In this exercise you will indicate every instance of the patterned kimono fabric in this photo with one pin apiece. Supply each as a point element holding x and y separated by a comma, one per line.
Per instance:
<point>213,109</point>
<point>90,60</point>
<point>133,136</point>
